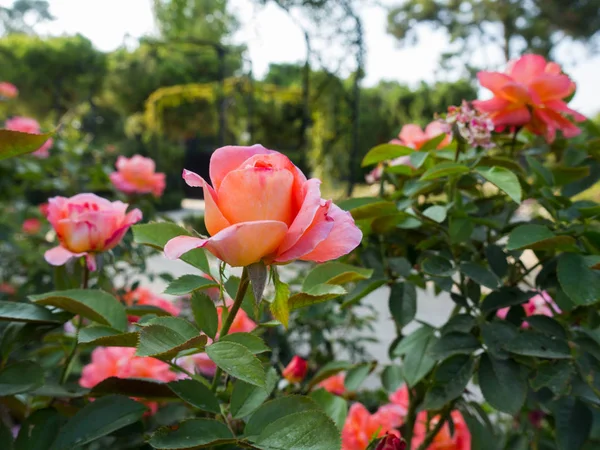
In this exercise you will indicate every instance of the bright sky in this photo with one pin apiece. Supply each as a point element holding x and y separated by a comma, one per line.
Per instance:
<point>271,36</point>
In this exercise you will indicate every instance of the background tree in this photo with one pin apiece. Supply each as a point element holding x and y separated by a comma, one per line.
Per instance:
<point>23,16</point>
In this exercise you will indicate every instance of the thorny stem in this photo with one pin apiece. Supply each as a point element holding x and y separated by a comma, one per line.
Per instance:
<point>434,431</point>
<point>239,298</point>
<point>411,417</point>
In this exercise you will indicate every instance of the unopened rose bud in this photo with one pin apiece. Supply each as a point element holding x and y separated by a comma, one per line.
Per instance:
<point>295,370</point>
<point>391,442</point>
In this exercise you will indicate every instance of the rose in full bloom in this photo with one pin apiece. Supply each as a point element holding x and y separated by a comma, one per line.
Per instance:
<point>361,426</point>
<point>121,362</point>
<point>541,304</point>
<point>334,384</point>
<point>31,226</point>
<point>531,94</point>
<point>85,225</point>
<point>296,370</point>
<point>8,90</point>
<point>143,296</point>
<point>31,126</point>
<point>444,440</point>
<point>412,136</point>
<point>261,207</point>
<point>391,442</point>
<point>136,175</point>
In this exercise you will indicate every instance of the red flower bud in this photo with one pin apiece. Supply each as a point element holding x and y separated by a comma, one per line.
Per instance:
<point>295,370</point>
<point>391,442</point>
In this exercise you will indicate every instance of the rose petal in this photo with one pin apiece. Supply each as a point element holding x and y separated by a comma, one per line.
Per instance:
<point>552,87</point>
<point>58,256</point>
<point>492,105</point>
<point>494,81</point>
<point>512,117</point>
<point>238,245</point>
<point>226,159</point>
<point>214,219</point>
<point>412,136</point>
<point>527,67</point>
<point>344,237</point>
<point>252,194</point>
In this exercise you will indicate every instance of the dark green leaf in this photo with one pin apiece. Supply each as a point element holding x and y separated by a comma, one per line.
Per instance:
<point>253,343</point>
<point>372,210</point>
<point>453,344</point>
<point>238,361</point>
<point>165,337</point>
<point>577,280</point>
<point>189,283</point>
<point>503,298</point>
<point>280,307</point>
<point>192,433</point>
<point>416,363</point>
<point>449,381</point>
<point>460,229</point>
<point>107,336</point>
<point>547,325</point>
<point>205,313</point>
<point>443,170</point>
<point>22,376</point>
<point>385,152</point>
<point>334,273</point>
<point>196,394</point>
<point>496,335</point>
<point>400,265</point>
<point>391,378</point>
<point>316,294</point>
<point>355,376</point>
<point>39,430</point>
<point>145,310</point>
<point>15,143</point>
<point>554,375</point>
<point>98,306</point>
<point>362,289</point>
<point>536,237</point>
<point>462,323</point>
<point>436,213</point>
<point>504,179</point>
<point>532,343</point>
<point>403,303</point>
<point>334,406</point>
<point>132,387</point>
<point>247,398</point>
<point>543,173</point>
<point>97,419</point>
<point>502,384</point>
<point>438,266</point>
<point>27,312</point>
<point>275,409</point>
<point>496,258</point>
<point>573,421</point>
<point>157,234</point>
<point>417,159</point>
<point>433,143</point>
<point>480,274</point>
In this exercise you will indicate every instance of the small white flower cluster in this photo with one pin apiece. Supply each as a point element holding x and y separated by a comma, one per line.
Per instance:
<point>474,126</point>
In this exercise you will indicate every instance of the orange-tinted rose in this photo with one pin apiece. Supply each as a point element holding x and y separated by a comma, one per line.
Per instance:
<point>444,440</point>
<point>334,384</point>
<point>137,175</point>
<point>296,370</point>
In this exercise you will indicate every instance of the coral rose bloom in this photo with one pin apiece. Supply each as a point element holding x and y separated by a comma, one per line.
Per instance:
<point>142,296</point>
<point>413,136</point>
<point>8,90</point>
<point>334,384</point>
<point>361,427</point>
<point>530,94</point>
<point>31,226</point>
<point>261,207</point>
<point>296,370</point>
<point>31,126</point>
<point>444,440</point>
<point>87,224</point>
<point>137,175</point>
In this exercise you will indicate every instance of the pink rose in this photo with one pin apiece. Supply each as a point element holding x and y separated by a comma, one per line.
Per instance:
<point>87,224</point>
<point>413,136</point>
<point>334,384</point>
<point>31,226</point>
<point>8,90</point>
<point>444,440</point>
<point>541,304</point>
<point>261,207</point>
<point>31,126</point>
<point>296,370</point>
<point>361,427</point>
<point>137,175</point>
<point>142,296</point>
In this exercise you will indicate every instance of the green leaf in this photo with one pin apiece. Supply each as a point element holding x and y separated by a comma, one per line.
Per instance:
<point>99,418</point>
<point>443,170</point>
<point>253,343</point>
<point>536,237</point>
<point>502,384</point>
<point>196,394</point>
<point>554,375</point>
<point>403,303</point>
<point>532,343</point>
<point>22,376</point>
<point>436,213</point>
<point>132,387</point>
<point>391,378</point>
<point>438,266</point>
<point>460,230</point>
<point>461,323</point>
<point>334,406</point>
<point>416,363</point>
<point>573,421</point>
<point>146,310</point>
<point>400,265</point>
<point>543,173</point>
<point>157,234</point>
<point>247,398</point>
<point>496,335</point>
<point>106,336</point>
<point>238,361</point>
<point>496,258</point>
<point>189,283</point>
<point>27,312</point>
<point>280,306</point>
<point>275,409</point>
<point>417,159</point>
<point>503,179</point>
<point>308,430</point>
<point>502,298</point>
<point>15,143</point>
<point>578,281</point>
<point>39,430</point>
<point>328,370</point>
<point>6,438</point>
<point>98,306</point>
<point>316,294</point>
<point>547,325</point>
<point>165,337</point>
<point>453,344</point>
<point>375,209</point>
<point>385,152</point>
<point>433,143</point>
<point>355,376</point>
<point>480,274</point>
<point>449,381</point>
<point>205,313</point>
<point>362,289</point>
<point>334,273</point>
<point>192,433</point>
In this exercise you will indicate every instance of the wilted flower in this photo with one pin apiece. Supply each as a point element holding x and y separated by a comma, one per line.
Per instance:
<point>474,126</point>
